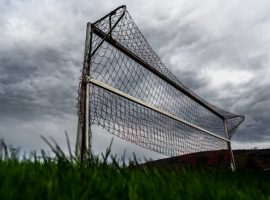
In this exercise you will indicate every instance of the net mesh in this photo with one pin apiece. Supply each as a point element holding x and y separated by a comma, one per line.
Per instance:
<point>120,57</point>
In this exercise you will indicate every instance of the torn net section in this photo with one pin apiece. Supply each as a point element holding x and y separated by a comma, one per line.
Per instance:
<point>137,123</point>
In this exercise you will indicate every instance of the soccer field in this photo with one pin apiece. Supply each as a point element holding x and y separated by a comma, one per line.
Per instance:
<point>62,179</point>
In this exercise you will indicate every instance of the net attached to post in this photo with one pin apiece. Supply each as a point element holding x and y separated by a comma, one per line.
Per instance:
<point>134,96</point>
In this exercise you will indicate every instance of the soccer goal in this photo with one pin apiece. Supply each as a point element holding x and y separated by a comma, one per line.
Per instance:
<point>126,89</point>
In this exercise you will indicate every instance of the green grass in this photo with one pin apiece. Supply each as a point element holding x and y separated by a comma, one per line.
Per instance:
<point>64,178</point>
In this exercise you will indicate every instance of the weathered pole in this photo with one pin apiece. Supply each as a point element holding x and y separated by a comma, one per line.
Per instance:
<point>229,146</point>
<point>84,134</point>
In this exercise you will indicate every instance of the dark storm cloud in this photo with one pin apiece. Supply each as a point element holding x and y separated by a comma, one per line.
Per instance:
<point>35,83</point>
<point>41,55</point>
<point>219,49</point>
<point>254,102</point>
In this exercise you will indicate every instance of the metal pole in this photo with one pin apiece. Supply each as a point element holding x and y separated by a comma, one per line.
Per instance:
<point>87,148</point>
<point>88,133</point>
<point>78,146</point>
<point>84,135</point>
<point>233,167</point>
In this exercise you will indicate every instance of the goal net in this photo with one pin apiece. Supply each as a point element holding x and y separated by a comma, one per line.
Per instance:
<point>126,89</point>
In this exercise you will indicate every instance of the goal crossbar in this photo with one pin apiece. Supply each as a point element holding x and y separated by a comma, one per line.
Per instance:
<point>131,98</point>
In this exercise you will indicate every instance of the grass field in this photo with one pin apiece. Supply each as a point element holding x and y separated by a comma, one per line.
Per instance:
<point>65,178</point>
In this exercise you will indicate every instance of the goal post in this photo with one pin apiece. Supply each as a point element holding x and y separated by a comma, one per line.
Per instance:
<point>84,134</point>
<point>126,89</point>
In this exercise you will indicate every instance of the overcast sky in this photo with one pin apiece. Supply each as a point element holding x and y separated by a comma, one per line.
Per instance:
<point>220,49</point>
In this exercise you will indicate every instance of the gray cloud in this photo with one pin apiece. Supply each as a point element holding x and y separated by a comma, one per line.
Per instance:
<point>222,54</point>
<point>36,83</point>
<point>219,49</point>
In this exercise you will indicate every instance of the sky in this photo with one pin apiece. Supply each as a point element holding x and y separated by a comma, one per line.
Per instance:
<point>220,49</point>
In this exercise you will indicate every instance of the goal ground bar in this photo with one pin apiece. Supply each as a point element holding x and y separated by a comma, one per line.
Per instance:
<point>127,96</point>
